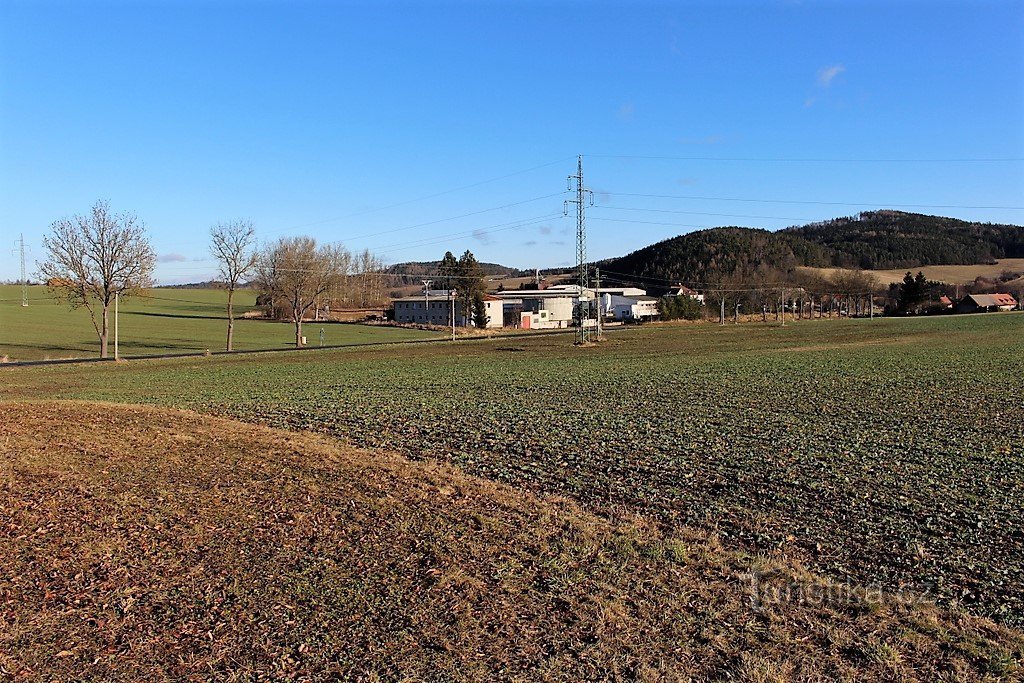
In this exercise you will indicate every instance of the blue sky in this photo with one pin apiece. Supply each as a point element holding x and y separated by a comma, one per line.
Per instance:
<point>353,122</point>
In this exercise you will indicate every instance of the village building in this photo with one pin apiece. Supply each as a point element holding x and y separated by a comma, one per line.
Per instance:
<point>434,307</point>
<point>985,303</point>
<point>633,308</point>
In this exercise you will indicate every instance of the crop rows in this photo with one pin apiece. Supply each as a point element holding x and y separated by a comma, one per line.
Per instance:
<point>895,464</point>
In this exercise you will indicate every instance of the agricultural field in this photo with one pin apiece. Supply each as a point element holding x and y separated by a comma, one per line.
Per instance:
<point>887,453</point>
<point>950,274</point>
<point>160,321</point>
<point>145,543</point>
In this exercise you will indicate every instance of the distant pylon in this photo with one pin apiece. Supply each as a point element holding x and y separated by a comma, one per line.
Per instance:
<point>24,280</point>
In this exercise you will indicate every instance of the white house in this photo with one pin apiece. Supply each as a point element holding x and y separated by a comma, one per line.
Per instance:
<point>680,290</point>
<point>633,307</point>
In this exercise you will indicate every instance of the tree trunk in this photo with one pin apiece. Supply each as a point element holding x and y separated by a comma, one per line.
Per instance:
<point>104,332</point>
<point>298,331</point>
<point>231,317</point>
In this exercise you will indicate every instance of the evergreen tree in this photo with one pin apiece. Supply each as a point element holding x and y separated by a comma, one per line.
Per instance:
<point>913,293</point>
<point>469,281</point>
<point>448,269</point>
<point>480,316</point>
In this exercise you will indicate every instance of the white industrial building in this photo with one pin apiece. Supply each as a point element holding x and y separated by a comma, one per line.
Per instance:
<point>550,308</point>
<point>628,308</point>
<point>434,307</point>
<point>543,308</point>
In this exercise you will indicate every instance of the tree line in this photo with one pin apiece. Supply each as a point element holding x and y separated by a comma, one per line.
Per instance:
<point>96,258</point>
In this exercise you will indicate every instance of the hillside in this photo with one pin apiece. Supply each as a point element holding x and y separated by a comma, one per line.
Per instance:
<point>425,268</point>
<point>707,255</point>
<point>871,240</point>
<point>896,239</point>
<point>186,547</point>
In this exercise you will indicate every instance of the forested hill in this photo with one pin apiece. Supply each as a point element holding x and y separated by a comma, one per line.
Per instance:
<point>895,239</point>
<point>424,268</point>
<point>711,254</point>
<point>877,239</point>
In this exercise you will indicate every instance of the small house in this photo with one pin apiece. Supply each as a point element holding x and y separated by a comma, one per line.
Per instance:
<point>986,303</point>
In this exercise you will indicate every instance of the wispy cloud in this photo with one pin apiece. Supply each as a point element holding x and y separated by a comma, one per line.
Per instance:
<point>626,111</point>
<point>827,74</point>
<point>530,243</point>
<point>482,237</point>
<point>686,181</point>
<point>545,229</point>
<point>172,257</point>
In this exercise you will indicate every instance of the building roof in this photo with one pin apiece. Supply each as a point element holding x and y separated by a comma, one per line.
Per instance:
<point>420,298</point>
<point>989,300</point>
<point>537,293</point>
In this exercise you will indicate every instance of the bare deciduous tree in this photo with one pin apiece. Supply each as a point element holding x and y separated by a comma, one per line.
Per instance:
<point>294,271</point>
<point>92,258</point>
<point>232,245</point>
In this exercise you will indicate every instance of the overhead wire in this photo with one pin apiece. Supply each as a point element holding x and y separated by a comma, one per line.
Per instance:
<point>808,202</point>
<point>815,160</point>
<point>425,197</point>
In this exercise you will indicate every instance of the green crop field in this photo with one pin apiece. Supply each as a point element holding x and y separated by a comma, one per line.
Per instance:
<point>160,321</point>
<point>887,452</point>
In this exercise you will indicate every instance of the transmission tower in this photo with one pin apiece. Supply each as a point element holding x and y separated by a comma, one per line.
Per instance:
<point>24,280</point>
<point>581,245</point>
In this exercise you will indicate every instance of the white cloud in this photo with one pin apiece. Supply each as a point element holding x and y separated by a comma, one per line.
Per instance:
<point>172,258</point>
<point>482,237</point>
<point>827,73</point>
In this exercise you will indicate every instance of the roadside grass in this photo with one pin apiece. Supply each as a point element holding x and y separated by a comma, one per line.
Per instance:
<point>161,321</point>
<point>886,453</point>
<point>143,543</point>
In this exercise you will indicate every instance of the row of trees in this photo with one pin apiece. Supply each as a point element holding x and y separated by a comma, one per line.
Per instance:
<point>95,258</point>
<point>767,291</point>
<point>466,277</point>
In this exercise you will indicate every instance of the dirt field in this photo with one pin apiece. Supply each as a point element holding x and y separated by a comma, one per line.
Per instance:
<point>154,544</point>
<point>950,274</point>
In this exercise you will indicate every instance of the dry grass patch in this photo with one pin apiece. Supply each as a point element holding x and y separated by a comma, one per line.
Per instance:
<point>152,544</point>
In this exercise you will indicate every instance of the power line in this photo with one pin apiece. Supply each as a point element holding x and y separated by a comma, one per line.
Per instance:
<point>629,220</point>
<point>703,213</point>
<point>813,160</point>
<point>816,203</point>
<point>424,198</point>
<point>453,218</point>
<point>500,227</point>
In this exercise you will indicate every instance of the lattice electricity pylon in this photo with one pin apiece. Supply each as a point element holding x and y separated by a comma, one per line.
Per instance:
<point>581,247</point>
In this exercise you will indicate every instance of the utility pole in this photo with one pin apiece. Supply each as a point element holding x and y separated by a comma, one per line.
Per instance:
<point>451,299</point>
<point>581,243</point>
<point>426,299</point>
<point>783,308</point>
<point>117,299</point>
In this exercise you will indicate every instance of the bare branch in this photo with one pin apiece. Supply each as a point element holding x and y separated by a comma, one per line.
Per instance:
<point>91,258</point>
